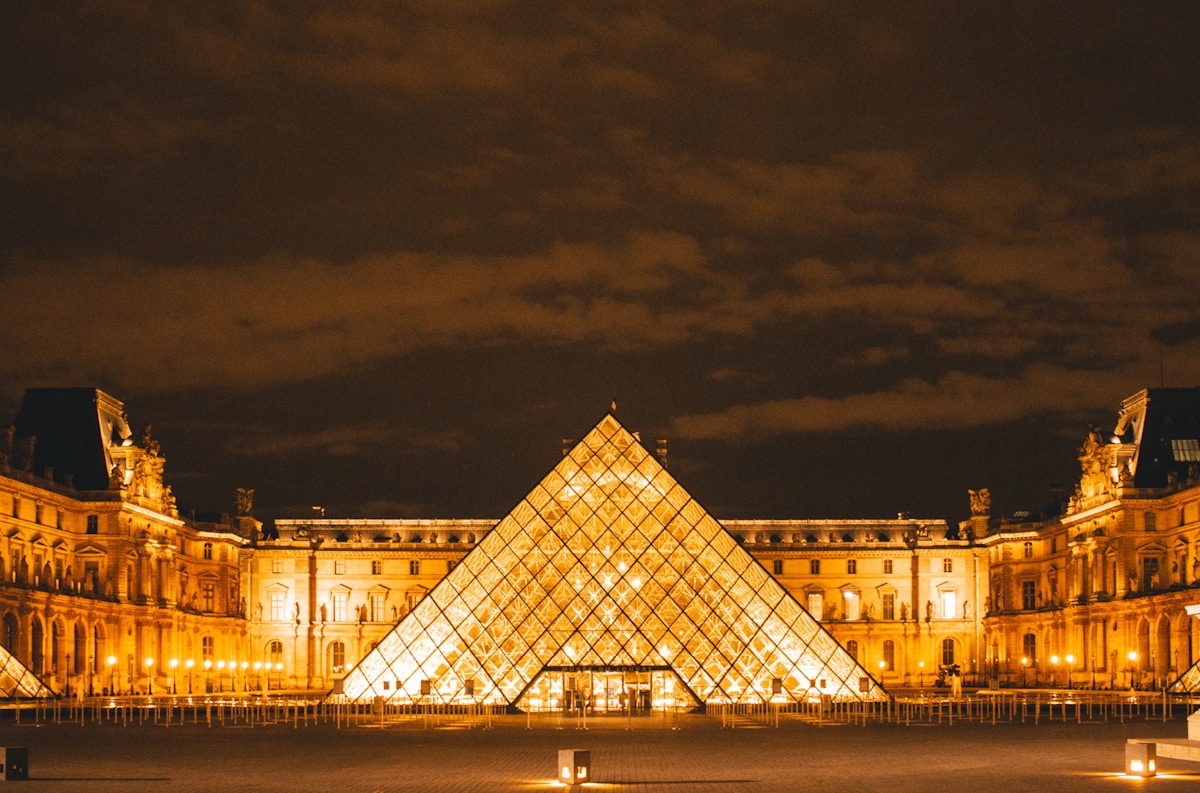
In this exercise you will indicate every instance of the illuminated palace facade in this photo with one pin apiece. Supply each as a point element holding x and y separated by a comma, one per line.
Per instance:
<point>106,586</point>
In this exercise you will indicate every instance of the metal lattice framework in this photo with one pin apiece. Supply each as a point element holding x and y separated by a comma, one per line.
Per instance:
<point>608,563</point>
<point>17,681</point>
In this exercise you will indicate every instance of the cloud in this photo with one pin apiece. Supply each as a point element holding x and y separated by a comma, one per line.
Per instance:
<point>333,441</point>
<point>955,401</point>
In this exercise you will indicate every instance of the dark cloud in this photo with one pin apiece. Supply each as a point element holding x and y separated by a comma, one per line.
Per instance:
<point>772,223</point>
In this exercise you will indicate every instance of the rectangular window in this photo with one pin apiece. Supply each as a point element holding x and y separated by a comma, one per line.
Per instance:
<point>851,566</point>
<point>887,566</point>
<point>1053,545</point>
<point>376,567</point>
<point>816,605</point>
<point>208,550</point>
<point>947,565</point>
<point>889,655</point>
<point>93,524</point>
<point>339,566</point>
<point>949,604</point>
<point>1150,574</point>
<point>414,567</point>
<point>377,614</point>
<point>851,601</point>
<point>1150,521</point>
<point>1029,595</point>
<point>777,567</point>
<point>276,566</point>
<point>277,606</point>
<point>207,648</point>
<point>889,605</point>
<point>814,566</point>
<point>208,596</point>
<point>340,603</point>
<point>1027,550</point>
<point>1186,450</point>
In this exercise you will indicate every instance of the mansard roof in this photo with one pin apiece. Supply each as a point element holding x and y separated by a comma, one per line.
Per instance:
<point>74,428</point>
<point>1164,424</point>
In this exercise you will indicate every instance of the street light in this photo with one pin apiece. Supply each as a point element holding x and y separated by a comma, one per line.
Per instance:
<point>920,674</point>
<point>112,673</point>
<point>68,675</point>
<point>258,673</point>
<point>1133,657</point>
<point>245,676</point>
<point>1024,671</point>
<point>189,663</point>
<point>150,676</point>
<point>208,675</point>
<point>1070,660</point>
<point>1054,664</point>
<point>174,666</point>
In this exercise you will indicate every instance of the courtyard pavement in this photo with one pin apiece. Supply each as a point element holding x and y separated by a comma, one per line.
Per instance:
<point>688,754</point>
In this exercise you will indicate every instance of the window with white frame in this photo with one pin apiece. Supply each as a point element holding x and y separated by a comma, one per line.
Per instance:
<point>816,604</point>
<point>278,604</point>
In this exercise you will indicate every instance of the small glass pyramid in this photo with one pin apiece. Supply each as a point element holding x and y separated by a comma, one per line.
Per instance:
<point>17,681</point>
<point>608,580</point>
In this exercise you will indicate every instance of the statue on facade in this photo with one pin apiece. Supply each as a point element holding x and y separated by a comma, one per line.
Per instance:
<point>245,502</point>
<point>981,502</point>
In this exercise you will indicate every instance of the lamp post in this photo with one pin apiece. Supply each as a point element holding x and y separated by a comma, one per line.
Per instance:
<point>150,676</point>
<point>920,674</point>
<point>1054,666</point>
<point>220,677</point>
<point>189,663</point>
<point>208,675</point>
<point>68,675</point>
<point>1025,671</point>
<point>174,666</point>
<point>112,674</point>
<point>245,676</point>
<point>1132,657</point>
<point>258,673</point>
<point>1070,660</point>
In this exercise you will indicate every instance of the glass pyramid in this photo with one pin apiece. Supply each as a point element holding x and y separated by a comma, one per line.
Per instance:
<point>17,681</point>
<point>608,569</point>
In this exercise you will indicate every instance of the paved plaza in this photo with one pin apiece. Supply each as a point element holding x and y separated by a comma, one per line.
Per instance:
<point>692,754</point>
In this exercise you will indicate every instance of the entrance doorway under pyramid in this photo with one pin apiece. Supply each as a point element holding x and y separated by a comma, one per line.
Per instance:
<point>608,584</point>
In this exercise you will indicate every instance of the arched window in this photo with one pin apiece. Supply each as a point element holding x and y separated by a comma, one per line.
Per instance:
<point>1029,649</point>
<point>852,648</point>
<point>947,652</point>
<point>889,655</point>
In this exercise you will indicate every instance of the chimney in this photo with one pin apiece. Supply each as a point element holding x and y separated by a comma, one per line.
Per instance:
<point>660,449</point>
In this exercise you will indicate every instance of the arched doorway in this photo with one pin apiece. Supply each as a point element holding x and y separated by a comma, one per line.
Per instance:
<point>36,637</point>
<point>12,634</point>
<point>1162,651</point>
<point>1142,662</point>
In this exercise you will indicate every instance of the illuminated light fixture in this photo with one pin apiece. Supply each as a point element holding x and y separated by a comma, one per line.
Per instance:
<point>1141,758</point>
<point>574,766</point>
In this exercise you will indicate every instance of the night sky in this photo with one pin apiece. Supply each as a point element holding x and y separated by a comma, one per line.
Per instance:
<point>851,259</point>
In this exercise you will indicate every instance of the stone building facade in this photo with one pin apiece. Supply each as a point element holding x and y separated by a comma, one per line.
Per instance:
<point>106,586</point>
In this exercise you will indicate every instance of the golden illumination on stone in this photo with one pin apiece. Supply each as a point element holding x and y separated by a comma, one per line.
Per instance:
<point>608,567</point>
